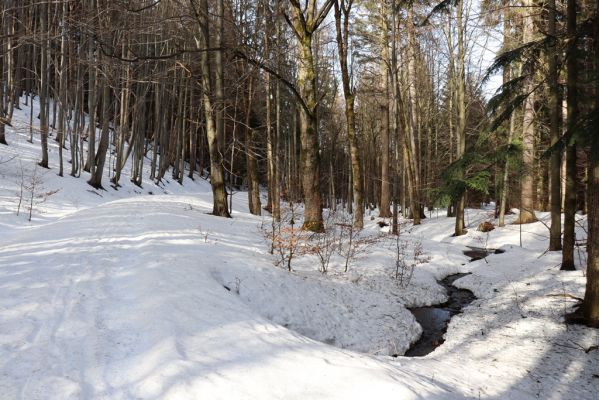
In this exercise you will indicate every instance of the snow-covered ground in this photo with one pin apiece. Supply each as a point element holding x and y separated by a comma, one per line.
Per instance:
<point>140,293</point>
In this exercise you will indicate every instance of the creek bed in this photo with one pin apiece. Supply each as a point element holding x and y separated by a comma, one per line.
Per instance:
<point>434,319</point>
<point>478,253</point>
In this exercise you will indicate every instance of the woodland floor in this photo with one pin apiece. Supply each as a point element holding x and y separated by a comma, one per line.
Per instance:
<point>141,294</point>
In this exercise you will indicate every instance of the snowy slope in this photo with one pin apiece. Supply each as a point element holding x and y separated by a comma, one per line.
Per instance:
<point>102,305</point>
<point>55,196</point>
<point>141,294</point>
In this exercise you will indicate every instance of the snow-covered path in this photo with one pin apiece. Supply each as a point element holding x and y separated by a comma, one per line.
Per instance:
<point>103,305</point>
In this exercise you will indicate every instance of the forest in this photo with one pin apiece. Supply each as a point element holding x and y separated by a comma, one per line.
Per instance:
<point>350,129</point>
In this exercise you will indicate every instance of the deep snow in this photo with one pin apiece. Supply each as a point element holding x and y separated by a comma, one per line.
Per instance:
<point>126,295</point>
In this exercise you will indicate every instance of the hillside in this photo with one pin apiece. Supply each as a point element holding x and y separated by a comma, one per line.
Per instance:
<point>139,293</point>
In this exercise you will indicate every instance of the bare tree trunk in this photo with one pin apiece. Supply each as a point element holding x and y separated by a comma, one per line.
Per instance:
<point>277,173</point>
<point>219,77</point>
<point>305,22</point>
<point>527,214</point>
<point>385,203</point>
<point>91,104</point>
<point>3,50</point>
<point>451,212</point>
<point>123,126</point>
<point>62,90</point>
<point>507,75</point>
<point>461,104</point>
<point>591,297</point>
<point>100,157</point>
<point>193,137</point>
<point>251,156</point>
<point>342,14</point>
<point>503,204</point>
<point>555,234</point>
<point>396,116</point>
<point>572,99</point>
<point>410,150</point>
<point>44,84</point>
<point>220,207</point>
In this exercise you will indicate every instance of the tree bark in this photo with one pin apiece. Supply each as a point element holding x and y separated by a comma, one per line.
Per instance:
<point>461,128</point>
<point>304,23</point>
<point>572,100</point>
<point>250,156</point>
<point>44,85</point>
<point>527,214</point>
<point>385,200</point>
<point>100,157</point>
<point>555,233</point>
<point>590,305</point>
<point>217,182</point>
<point>342,11</point>
<point>410,150</point>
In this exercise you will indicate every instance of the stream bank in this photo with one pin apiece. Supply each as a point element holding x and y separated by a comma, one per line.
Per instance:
<point>434,319</point>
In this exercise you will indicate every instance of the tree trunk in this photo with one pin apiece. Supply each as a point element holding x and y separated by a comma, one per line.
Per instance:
<point>250,156</point>
<point>410,150</point>
<point>44,85</point>
<point>461,128</point>
<point>572,100</point>
<point>385,201</point>
<point>555,233</point>
<point>590,305</point>
<point>62,90</point>
<point>219,77</point>
<point>305,24</point>
<point>507,75</point>
<point>2,106</point>
<point>91,110</point>
<point>591,297</point>
<point>503,204</point>
<point>123,126</point>
<point>342,26</point>
<point>217,182</point>
<point>527,214</point>
<point>100,157</point>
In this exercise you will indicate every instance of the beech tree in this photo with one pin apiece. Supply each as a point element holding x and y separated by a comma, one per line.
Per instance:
<point>304,22</point>
<point>213,120</point>
<point>342,19</point>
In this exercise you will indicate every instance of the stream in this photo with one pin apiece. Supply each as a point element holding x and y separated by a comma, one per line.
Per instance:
<point>434,319</point>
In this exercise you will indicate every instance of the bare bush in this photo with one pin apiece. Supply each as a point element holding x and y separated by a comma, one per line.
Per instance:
<point>351,243</point>
<point>403,273</point>
<point>31,190</point>
<point>287,241</point>
<point>404,268</point>
<point>325,244</point>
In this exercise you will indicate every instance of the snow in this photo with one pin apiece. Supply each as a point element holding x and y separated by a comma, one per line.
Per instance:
<point>131,295</point>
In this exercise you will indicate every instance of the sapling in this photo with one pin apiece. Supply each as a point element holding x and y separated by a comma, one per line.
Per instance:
<point>203,233</point>
<point>288,240</point>
<point>324,244</point>
<point>32,185</point>
<point>21,187</point>
<point>349,243</point>
<point>403,274</point>
<point>404,270</point>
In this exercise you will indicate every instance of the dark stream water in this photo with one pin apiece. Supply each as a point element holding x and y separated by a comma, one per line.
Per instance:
<point>434,319</point>
<point>478,253</point>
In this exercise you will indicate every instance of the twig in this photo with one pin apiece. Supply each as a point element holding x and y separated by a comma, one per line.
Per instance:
<point>567,295</point>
